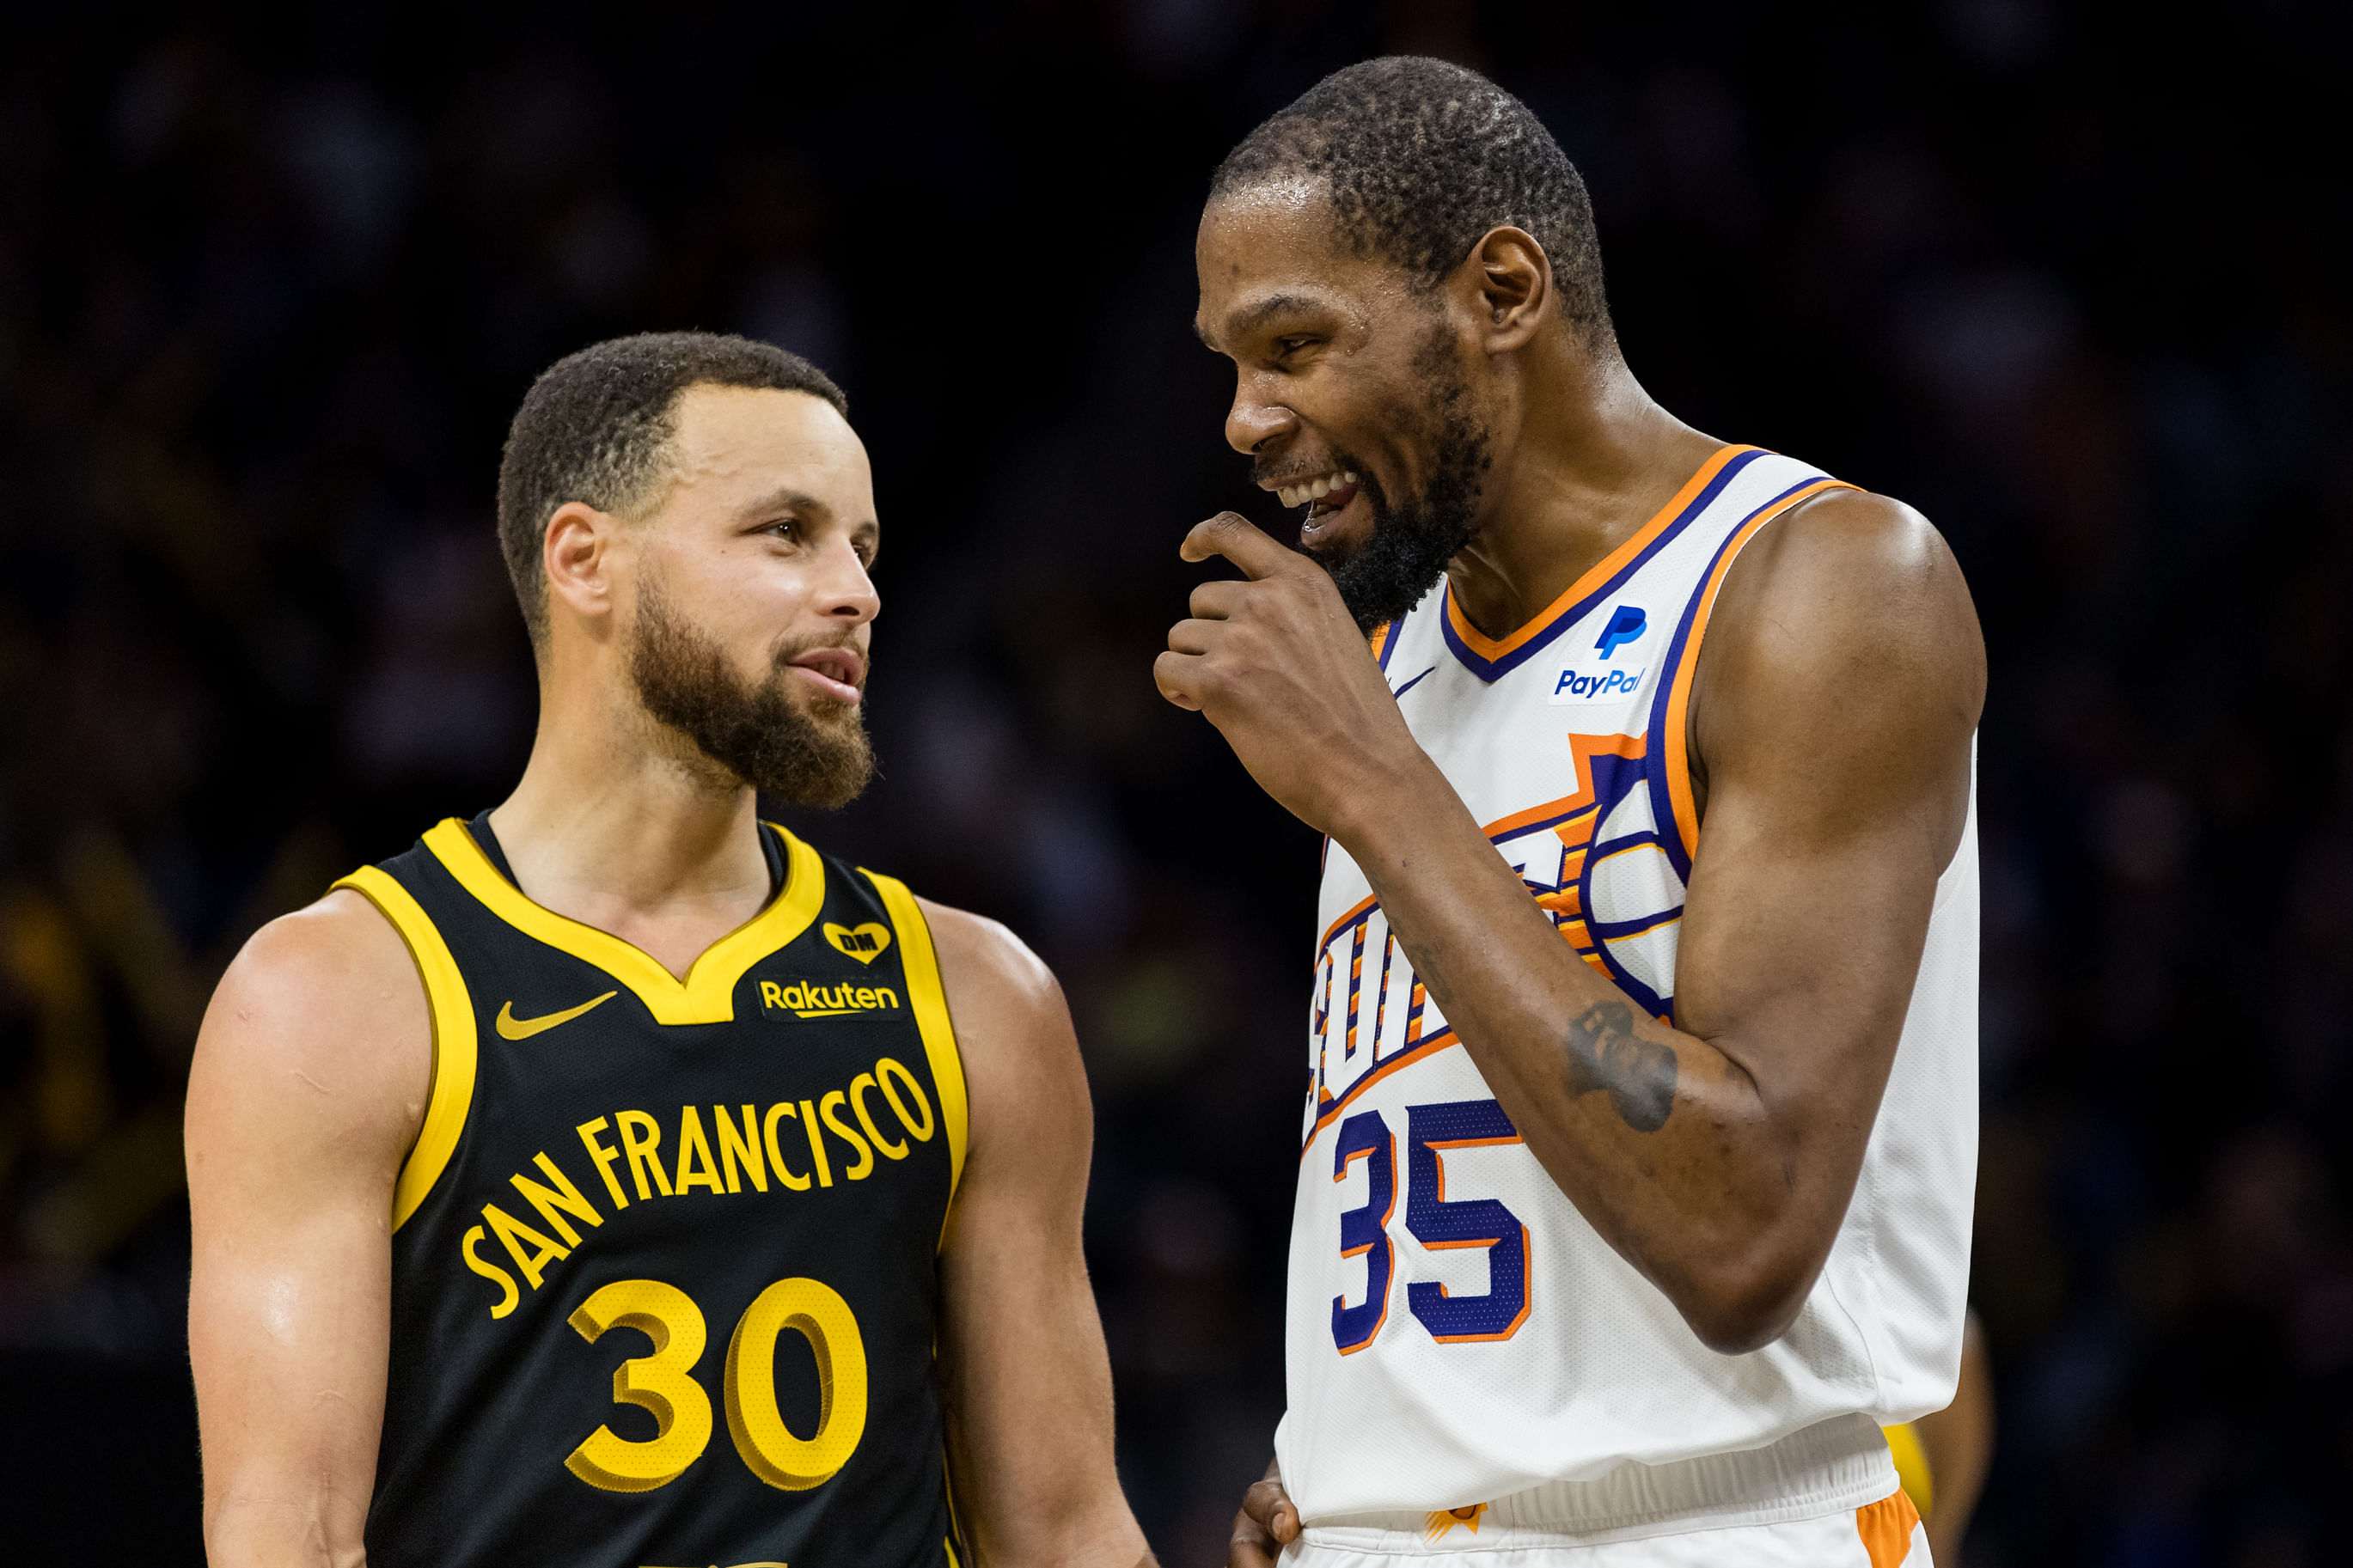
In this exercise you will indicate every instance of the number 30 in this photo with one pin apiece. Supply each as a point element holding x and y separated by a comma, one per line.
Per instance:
<point>663,1382</point>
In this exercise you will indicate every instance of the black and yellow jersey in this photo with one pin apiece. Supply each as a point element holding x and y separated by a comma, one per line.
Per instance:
<point>664,1257</point>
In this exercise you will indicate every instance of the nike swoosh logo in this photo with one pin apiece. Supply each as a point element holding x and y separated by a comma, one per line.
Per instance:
<point>513,1028</point>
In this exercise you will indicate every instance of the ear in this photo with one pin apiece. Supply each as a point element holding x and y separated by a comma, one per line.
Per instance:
<point>1508,280</point>
<point>577,553</point>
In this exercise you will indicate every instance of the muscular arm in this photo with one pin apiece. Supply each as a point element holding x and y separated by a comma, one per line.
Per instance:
<point>1029,1384</point>
<point>306,1088</point>
<point>1836,695</point>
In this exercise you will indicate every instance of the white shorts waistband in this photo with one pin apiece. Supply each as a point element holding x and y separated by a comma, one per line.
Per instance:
<point>1827,1467</point>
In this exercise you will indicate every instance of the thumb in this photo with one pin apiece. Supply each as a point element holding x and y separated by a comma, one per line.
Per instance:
<point>1239,541</point>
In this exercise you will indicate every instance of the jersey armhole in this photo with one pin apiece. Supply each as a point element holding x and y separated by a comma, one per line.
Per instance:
<point>927,994</point>
<point>452,1012</point>
<point>1674,698</point>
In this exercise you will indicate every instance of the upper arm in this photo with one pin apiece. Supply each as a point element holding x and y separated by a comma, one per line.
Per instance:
<point>1029,1384</point>
<point>308,1085</point>
<point>1835,703</point>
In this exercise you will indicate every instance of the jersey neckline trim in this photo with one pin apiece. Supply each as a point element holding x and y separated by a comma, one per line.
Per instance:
<point>1490,659</point>
<point>707,995</point>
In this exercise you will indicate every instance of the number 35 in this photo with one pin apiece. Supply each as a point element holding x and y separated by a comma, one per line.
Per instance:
<point>1433,1221</point>
<point>663,1382</point>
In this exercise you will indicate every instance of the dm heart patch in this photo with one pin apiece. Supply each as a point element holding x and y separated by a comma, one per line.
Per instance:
<point>860,942</point>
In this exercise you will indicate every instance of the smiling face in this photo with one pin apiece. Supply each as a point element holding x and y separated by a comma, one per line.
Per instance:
<point>1351,393</point>
<point>753,609</point>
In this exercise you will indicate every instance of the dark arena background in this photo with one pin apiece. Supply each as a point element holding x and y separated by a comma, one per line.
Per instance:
<point>2073,279</point>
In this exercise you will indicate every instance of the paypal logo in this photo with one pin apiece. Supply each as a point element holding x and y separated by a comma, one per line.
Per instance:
<point>1627,625</point>
<point>1609,683</point>
<point>1578,686</point>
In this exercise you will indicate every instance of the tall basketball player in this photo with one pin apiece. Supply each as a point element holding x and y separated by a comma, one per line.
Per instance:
<point>1638,1149</point>
<point>615,1179</point>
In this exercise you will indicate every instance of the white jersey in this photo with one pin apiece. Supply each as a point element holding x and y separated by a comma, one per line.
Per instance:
<point>1457,1331</point>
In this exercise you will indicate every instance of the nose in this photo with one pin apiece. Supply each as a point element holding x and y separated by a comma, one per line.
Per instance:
<point>1252,421</point>
<point>843,590</point>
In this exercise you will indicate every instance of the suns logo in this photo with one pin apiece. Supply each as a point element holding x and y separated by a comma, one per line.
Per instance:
<point>1371,1015</point>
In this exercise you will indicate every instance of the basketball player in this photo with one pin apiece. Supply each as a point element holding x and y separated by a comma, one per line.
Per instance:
<point>593,1182</point>
<point>1638,1149</point>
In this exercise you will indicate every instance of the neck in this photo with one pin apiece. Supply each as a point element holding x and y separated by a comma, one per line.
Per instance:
<point>620,825</point>
<point>1592,459</point>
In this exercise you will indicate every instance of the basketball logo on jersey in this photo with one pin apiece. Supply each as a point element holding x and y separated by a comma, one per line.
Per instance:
<point>1607,678</point>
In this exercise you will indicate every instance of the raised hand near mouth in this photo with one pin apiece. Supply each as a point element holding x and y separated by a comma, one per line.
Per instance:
<point>1277,663</point>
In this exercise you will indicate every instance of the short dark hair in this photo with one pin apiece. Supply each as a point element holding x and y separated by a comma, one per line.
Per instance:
<point>596,426</point>
<point>1420,158</point>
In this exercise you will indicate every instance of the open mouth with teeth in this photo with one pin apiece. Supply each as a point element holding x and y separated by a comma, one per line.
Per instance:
<point>1325,496</point>
<point>836,672</point>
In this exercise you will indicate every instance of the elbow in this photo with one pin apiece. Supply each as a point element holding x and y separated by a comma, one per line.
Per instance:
<point>1737,1306</point>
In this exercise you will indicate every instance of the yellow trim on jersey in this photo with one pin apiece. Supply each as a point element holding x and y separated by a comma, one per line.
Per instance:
<point>707,995</point>
<point>1911,1465</point>
<point>453,1038</point>
<point>928,996</point>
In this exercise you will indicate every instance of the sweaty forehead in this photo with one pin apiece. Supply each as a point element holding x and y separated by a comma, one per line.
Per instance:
<point>1266,251</point>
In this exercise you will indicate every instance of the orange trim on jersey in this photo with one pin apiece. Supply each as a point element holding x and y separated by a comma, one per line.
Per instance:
<point>1527,1293</point>
<point>1886,1527</point>
<point>1358,908</point>
<point>1583,749</point>
<point>1679,788</point>
<point>1379,640</point>
<point>1329,1108</point>
<point>1489,649</point>
<point>1527,1246</point>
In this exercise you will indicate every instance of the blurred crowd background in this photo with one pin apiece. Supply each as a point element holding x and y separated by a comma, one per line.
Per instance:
<point>2072,278</point>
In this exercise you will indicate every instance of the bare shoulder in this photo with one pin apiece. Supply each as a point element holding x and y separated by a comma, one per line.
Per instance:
<point>1843,675</point>
<point>319,1030</point>
<point>1851,583</point>
<point>1013,1029</point>
<point>981,960</point>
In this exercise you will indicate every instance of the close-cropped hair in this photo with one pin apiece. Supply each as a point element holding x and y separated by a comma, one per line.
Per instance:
<point>595,427</point>
<point>1419,159</point>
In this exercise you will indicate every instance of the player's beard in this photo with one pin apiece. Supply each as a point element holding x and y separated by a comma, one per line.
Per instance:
<point>1414,538</point>
<point>813,752</point>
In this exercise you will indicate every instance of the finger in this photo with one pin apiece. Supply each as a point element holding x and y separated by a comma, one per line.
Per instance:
<point>1249,1546</point>
<point>1196,637</point>
<point>1270,1505</point>
<point>1239,541</point>
<point>1168,673</point>
<point>1217,599</point>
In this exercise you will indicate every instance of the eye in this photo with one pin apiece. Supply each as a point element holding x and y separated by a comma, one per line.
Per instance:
<point>1286,346</point>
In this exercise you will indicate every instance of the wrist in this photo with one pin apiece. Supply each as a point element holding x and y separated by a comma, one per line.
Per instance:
<point>1392,793</point>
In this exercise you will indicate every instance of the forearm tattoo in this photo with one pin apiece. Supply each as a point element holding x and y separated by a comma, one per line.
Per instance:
<point>1604,1052</point>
